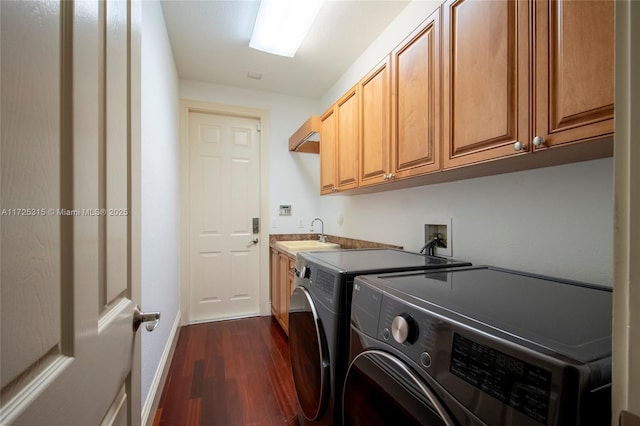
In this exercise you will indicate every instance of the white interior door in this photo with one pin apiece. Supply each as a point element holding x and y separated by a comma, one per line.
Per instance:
<point>70,212</point>
<point>224,197</point>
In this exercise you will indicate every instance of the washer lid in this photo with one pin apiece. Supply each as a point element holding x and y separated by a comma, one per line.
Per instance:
<point>568,318</point>
<point>373,261</point>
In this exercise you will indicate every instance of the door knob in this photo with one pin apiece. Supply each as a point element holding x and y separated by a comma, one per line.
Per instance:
<point>150,318</point>
<point>254,241</point>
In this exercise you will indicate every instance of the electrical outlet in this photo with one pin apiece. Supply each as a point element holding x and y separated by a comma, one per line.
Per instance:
<point>300,225</point>
<point>440,227</point>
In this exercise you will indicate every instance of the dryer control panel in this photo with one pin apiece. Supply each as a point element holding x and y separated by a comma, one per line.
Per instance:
<point>410,330</point>
<point>431,343</point>
<point>516,383</point>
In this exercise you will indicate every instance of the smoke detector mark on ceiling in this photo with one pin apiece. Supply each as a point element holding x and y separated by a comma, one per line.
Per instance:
<point>254,75</point>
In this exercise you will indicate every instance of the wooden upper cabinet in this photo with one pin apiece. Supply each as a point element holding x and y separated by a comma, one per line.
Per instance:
<point>486,80</point>
<point>415,111</point>
<point>339,145</point>
<point>346,111</point>
<point>328,155</point>
<point>375,129</point>
<point>574,71</point>
<point>400,109</point>
<point>478,81</point>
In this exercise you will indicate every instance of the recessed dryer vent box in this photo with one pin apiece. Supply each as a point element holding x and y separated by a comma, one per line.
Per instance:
<point>442,228</point>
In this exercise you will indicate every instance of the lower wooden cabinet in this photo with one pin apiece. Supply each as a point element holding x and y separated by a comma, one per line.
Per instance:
<point>282,276</point>
<point>274,278</point>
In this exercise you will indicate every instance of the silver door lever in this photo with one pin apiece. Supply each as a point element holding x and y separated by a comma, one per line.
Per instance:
<point>150,318</point>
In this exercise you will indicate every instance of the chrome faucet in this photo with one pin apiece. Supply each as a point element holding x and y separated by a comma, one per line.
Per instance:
<point>322,238</point>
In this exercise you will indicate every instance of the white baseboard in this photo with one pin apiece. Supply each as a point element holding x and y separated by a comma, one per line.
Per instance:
<point>155,392</point>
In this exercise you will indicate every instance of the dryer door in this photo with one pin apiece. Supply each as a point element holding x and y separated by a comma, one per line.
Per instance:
<point>381,390</point>
<point>309,354</point>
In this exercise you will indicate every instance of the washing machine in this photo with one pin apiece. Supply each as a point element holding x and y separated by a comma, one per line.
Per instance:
<point>478,346</point>
<point>319,320</point>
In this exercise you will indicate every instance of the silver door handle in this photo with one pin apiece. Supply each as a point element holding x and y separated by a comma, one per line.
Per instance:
<point>150,318</point>
<point>253,242</point>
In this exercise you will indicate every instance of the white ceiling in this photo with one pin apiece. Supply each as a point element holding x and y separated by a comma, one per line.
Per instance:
<point>210,42</point>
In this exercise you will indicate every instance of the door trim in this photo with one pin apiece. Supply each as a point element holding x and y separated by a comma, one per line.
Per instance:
<point>187,106</point>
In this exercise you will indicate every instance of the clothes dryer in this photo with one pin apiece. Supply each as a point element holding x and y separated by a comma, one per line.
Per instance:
<point>478,346</point>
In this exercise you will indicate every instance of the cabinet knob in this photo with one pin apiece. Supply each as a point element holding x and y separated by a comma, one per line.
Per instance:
<point>538,141</point>
<point>518,146</point>
<point>385,177</point>
<point>392,176</point>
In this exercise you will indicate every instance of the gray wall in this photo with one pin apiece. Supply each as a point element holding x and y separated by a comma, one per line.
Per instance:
<point>554,221</point>
<point>160,194</point>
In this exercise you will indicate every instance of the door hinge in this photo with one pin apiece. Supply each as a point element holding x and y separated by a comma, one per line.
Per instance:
<point>259,127</point>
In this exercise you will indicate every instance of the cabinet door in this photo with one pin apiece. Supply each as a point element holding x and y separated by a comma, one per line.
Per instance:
<point>573,70</point>
<point>328,155</point>
<point>347,140</point>
<point>375,131</point>
<point>486,80</point>
<point>288,288</point>
<point>275,281</point>
<point>415,65</point>
<point>284,294</point>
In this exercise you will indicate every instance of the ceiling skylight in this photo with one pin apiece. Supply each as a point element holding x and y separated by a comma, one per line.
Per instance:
<point>281,25</point>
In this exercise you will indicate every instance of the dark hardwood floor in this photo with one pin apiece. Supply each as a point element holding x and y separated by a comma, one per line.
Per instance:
<point>233,372</point>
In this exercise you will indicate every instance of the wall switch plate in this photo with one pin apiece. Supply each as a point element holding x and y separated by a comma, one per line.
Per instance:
<point>441,227</point>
